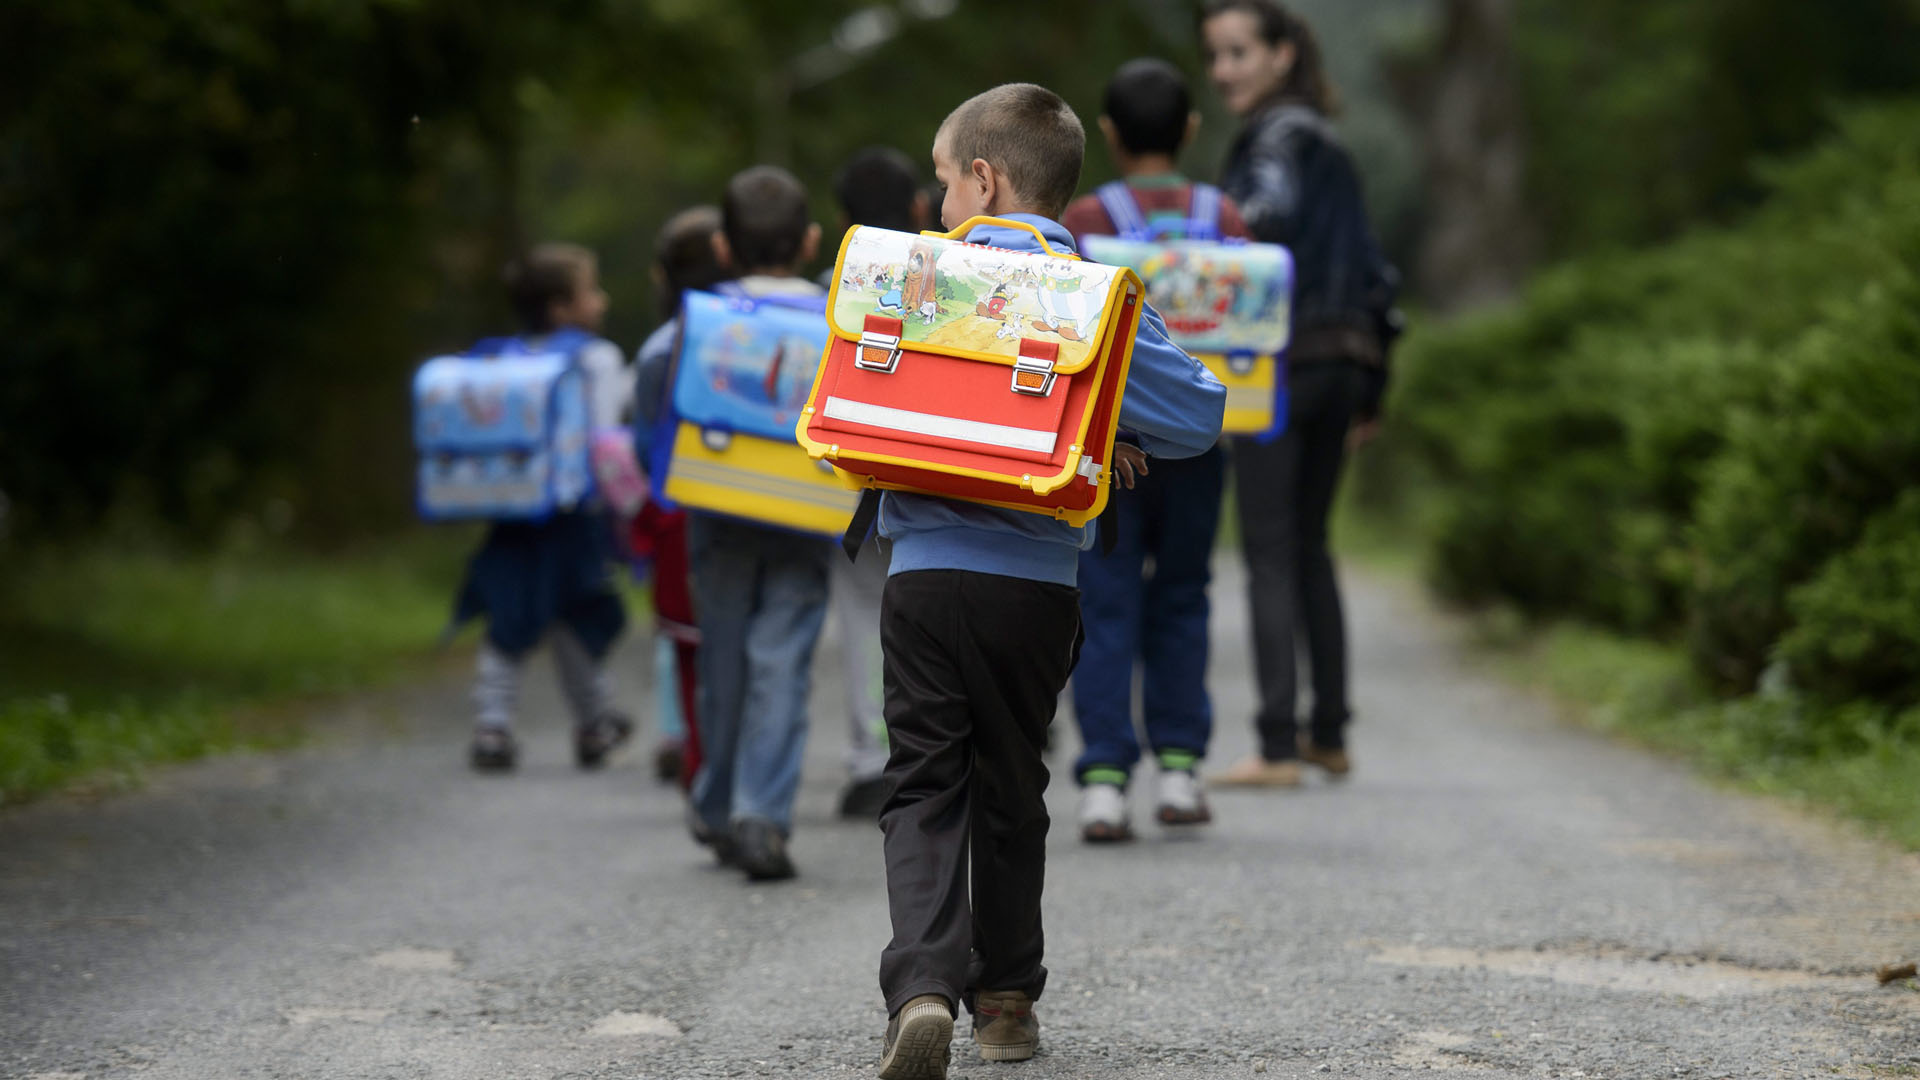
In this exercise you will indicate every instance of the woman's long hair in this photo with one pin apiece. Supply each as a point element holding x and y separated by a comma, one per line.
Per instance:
<point>1306,82</point>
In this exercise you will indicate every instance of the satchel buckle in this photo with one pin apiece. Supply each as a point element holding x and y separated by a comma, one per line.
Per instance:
<point>1032,375</point>
<point>877,352</point>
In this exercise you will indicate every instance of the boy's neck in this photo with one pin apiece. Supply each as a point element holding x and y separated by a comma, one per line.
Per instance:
<point>769,271</point>
<point>1148,165</point>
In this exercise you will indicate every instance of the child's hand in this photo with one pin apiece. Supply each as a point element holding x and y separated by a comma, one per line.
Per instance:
<point>1129,462</point>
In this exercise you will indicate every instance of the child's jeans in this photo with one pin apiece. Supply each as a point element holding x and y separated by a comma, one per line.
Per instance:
<point>974,666</point>
<point>1170,517</point>
<point>760,595</point>
<point>584,681</point>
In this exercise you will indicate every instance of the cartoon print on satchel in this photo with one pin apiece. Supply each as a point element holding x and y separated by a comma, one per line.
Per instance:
<point>740,382</point>
<point>1225,301</point>
<point>1005,391</point>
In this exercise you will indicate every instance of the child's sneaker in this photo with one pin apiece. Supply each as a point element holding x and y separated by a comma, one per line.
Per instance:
<point>1103,814</point>
<point>1004,1027</point>
<point>493,749</point>
<point>918,1038</point>
<point>1181,802</point>
<point>762,850</point>
<point>593,742</point>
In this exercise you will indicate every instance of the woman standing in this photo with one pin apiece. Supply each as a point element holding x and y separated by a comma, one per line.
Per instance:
<point>1296,185</point>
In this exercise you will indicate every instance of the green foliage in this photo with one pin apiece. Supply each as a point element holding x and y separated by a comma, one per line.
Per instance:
<point>1683,439</point>
<point>109,659</point>
<point>1644,118</point>
<point>1856,627</point>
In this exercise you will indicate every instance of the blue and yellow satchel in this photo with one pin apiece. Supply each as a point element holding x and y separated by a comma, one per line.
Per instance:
<point>1227,302</point>
<point>741,376</point>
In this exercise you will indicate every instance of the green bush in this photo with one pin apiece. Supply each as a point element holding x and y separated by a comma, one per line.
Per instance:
<point>1693,439</point>
<point>1835,442</point>
<point>1857,625</point>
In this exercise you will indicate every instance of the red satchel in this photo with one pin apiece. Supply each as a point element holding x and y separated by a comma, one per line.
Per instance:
<point>973,373</point>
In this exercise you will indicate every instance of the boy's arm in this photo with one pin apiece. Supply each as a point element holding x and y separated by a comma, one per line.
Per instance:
<point>1173,403</point>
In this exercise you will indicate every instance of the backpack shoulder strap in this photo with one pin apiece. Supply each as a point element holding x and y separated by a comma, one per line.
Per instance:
<point>1203,213</point>
<point>1118,201</point>
<point>569,341</point>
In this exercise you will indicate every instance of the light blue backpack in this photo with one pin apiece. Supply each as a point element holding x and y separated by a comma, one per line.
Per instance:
<point>503,430</point>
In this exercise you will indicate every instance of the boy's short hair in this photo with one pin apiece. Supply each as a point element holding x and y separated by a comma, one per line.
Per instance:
<point>877,186</point>
<point>764,216</point>
<point>545,275</point>
<point>1148,102</point>
<point>684,252</point>
<point>1028,133</point>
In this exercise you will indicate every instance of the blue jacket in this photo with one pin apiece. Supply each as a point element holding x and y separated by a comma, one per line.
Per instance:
<point>1171,403</point>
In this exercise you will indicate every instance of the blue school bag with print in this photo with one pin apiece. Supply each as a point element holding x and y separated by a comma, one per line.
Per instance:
<point>743,366</point>
<point>1226,301</point>
<point>503,430</point>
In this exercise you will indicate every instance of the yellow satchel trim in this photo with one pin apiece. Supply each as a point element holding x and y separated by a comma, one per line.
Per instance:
<point>995,297</point>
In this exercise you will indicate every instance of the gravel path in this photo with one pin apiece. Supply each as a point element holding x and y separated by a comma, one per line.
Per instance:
<point>1492,894</point>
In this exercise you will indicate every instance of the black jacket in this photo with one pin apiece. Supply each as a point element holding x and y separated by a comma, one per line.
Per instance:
<point>1296,185</point>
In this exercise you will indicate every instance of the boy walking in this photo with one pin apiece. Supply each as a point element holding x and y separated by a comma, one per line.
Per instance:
<point>980,627</point>
<point>1171,517</point>
<point>760,593</point>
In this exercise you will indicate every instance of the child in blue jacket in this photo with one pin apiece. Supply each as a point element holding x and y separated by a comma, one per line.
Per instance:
<point>980,627</point>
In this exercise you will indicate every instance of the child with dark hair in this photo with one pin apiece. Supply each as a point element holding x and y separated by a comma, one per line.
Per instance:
<point>552,579</point>
<point>980,626</point>
<point>760,592</point>
<point>877,187</point>
<point>683,259</point>
<point>1166,523</point>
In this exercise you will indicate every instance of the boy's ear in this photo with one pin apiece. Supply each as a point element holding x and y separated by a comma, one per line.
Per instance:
<point>722,251</point>
<point>810,246</point>
<point>1114,149</point>
<point>922,211</point>
<point>1193,128</point>
<point>992,185</point>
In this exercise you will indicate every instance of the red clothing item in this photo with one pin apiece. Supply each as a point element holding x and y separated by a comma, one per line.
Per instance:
<point>1086,217</point>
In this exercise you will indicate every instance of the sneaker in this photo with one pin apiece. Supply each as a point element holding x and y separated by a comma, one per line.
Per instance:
<point>1257,771</point>
<point>862,800</point>
<point>918,1039</point>
<point>1331,758</point>
<point>493,749</point>
<point>1004,1028</point>
<point>1181,801</point>
<point>762,850</point>
<point>1103,814</point>
<point>593,742</point>
<point>668,756</point>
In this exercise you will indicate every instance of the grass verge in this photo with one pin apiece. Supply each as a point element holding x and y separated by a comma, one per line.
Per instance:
<point>113,660</point>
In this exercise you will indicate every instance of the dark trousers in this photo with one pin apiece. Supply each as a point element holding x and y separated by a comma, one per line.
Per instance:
<point>974,664</point>
<point>1148,599</point>
<point>1285,490</point>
